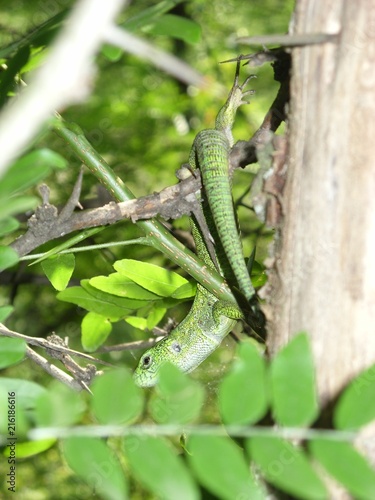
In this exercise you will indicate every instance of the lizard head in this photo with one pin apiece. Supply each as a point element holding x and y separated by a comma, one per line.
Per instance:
<point>180,352</point>
<point>147,371</point>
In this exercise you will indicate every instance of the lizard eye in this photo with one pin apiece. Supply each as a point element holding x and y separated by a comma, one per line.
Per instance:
<point>176,347</point>
<point>147,362</point>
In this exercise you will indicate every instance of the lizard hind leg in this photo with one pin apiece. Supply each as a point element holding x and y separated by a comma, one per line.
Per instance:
<point>227,309</point>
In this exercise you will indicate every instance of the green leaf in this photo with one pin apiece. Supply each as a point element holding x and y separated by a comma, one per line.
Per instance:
<point>30,170</point>
<point>82,298</point>
<point>117,284</point>
<point>177,398</point>
<point>17,205</point>
<point>148,15</point>
<point>137,322</point>
<point>356,405</point>
<point>293,384</point>
<point>5,311</point>
<point>116,399</point>
<point>112,53</point>
<point>93,461</point>
<point>155,316</point>
<point>346,465</point>
<point>8,225</point>
<point>26,394</point>
<point>243,391</point>
<point>154,278</point>
<point>175,27</point>
<point>59,270</point>
<point>95,329</point>
<point>286,467</point>
<point>8,257</point>
<point>12,351</point>
<point>220,466</point>
<point>127,304</point>
<point>59,406</point>
<point>31,448</point>
<point>185,291</point>
<point>157,467</point>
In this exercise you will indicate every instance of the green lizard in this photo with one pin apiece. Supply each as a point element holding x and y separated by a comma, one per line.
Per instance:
<point>210,153</point>
<point>209,320</point>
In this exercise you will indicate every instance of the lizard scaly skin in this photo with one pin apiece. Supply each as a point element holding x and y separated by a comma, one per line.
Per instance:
<point>209,320</point>
<point>210,153</point>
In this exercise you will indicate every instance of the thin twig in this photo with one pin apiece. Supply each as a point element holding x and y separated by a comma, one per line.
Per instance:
<point>45,344</point>
<point>54,371</point>
<point>129,346</point>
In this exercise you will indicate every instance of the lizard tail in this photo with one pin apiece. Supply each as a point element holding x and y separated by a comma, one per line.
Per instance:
<point>212,151</point>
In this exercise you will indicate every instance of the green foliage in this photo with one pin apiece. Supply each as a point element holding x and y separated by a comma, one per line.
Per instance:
<point>59,270</point>
<point>116,399</point>
<point>58,407</point>
<point>243,392</point>
<point>213,459</point>
<point>11,351</point>
<point>95,329</point>
<point>346,465</point>
<point>286,467</point>
<point>355,407</point>
<point>153,278</point>
<point>177,399</point>
<point>93,461</point>
<point>293,384</point>
<point>154,462</point>
<point>221,467</point>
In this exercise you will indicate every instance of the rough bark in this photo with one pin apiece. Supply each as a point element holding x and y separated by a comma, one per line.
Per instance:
<point>324,277</point>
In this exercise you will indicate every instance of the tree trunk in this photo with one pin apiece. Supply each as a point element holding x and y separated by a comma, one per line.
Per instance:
<point>324,278</point>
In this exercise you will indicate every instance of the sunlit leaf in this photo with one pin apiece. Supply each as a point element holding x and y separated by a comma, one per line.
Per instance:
<point>177,398</point>
<point>31,448</point>
<point>154,278</point>
<point>243,393</point>
<point>79,296</point>
<point>116,398</point>
<point>11,351</point>
<point>157,467</point>
<point>356,405</point>
<point>92,460</point>
<point>59,270</point>
<point>346,465</point>
<point>286,467</point>
<point>137,322</point>
<point>220,466</point>
<point>95,329</point>
<point>118,284</point>
<point>155,316</point>
<point>293,384</point>
<point>185,291</point>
